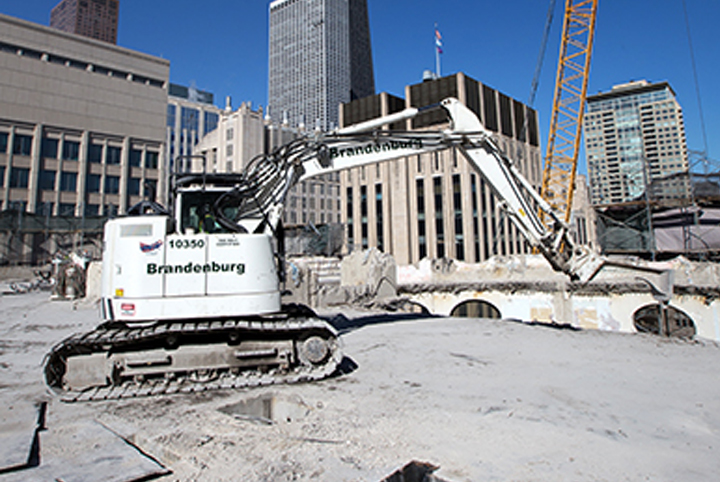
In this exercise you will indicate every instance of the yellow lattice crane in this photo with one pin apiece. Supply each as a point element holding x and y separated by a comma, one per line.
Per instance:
<point>560,169</point>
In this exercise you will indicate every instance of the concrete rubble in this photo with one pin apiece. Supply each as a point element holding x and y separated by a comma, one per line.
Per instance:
<point>362,278</point>
<point>534,272</point>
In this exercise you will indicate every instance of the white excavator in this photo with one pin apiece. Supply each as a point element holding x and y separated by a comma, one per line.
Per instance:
<point>191,296</point>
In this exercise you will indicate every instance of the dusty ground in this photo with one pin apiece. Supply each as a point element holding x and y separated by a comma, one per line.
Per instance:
<point>484,400</point>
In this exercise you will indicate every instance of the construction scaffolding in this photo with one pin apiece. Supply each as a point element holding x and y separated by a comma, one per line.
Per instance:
<point>663,227</point>
<point>36,240</point>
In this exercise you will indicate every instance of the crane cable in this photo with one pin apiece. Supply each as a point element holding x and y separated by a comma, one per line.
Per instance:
<point>539,64</point>
<point>695,78</point>
<point>541,54</point>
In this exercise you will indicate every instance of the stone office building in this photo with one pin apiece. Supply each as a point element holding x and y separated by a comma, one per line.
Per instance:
<point>243,134</point>
<point>82,122</point>
<point>435,205</point>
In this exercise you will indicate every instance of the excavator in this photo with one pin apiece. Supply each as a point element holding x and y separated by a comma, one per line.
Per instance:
<point>191,295</point>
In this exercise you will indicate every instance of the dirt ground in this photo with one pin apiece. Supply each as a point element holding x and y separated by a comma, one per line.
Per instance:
<point>485,400</point>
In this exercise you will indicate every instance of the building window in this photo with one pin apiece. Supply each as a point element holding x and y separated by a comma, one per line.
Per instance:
<point>505,115</point>
<point>134,186</point>
<point>151,160</point>
<point>93,183</point>
<point>22,145</point>
<point>68,181</point>
<point>49,148</point>
<point>92,210</point>
<point>112,155</point>
<point>363,217</point>
<point>3,142</point>
<point>171,109</point>
<point>71,150</point>
<point>439,221</point>
<point>44,208</point>
<point>95,153</point>
<point>110,210</point>
<point>495,225</point>
<point>476,220</point>
<point>457,208</point>
<point>66,209</point>
<point>112,184</point>
<point>2,176</point>
<point>190,119</point>
<point>489,109</point>
<point>211,121</point>
<point>19,177</point>
<point>46,180</point>
<point>150,186</point>
<point>135,157</point>
<point>350,227</point>
<point>422,239</point>
<point>17,206</point>
<point>379,216</point>
<point>485,214</point>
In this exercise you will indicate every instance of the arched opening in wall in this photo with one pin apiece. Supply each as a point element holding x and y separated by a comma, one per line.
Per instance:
<point>408,306</point>
<point>650,319</point>
<point>475,309</point>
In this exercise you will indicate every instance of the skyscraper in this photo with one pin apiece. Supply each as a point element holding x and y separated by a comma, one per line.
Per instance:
<point>635,139</point>
<point>320,57</point>
<point>96,19</point>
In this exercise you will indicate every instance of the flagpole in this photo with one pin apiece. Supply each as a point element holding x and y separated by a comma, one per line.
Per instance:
<point>438,51</point>
<point>437,62</point>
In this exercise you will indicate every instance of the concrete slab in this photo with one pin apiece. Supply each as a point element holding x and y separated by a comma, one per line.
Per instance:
<point>483,400</point>
<point>86,451</point>
<point>17,428</point>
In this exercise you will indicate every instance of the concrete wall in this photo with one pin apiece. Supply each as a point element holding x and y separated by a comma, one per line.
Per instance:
<point>525,290</point>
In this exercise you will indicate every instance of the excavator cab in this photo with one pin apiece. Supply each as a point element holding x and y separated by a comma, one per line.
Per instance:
<point>197,212</point>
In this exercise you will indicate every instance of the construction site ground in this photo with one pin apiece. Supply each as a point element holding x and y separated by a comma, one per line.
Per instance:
<point>485,400</point>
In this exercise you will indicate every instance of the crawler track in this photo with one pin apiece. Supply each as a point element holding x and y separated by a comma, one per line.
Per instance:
<point>122,361</point>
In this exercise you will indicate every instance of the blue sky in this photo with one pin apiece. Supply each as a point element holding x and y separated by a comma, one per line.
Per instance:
<point>221,46</point>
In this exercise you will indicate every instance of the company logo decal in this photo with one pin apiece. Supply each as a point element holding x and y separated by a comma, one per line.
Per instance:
<point>149,248</point>
<point>189,268</point>
<point>375,147</point>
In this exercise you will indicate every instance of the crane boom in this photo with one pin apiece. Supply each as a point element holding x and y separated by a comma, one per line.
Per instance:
<point>558,185</point>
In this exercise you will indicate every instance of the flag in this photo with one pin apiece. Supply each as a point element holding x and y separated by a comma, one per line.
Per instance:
<point>438,41</point>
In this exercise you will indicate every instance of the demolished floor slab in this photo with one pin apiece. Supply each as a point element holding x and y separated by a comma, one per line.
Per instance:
<point>481,399</point>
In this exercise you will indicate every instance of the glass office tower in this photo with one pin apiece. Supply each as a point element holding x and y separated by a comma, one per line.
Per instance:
<point>635,140</point>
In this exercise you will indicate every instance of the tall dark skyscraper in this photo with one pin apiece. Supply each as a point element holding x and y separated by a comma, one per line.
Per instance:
<point>96,19</point>
<point>320,57</point>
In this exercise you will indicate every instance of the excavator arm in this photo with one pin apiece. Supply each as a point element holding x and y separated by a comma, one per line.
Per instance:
<point>272,176</point>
